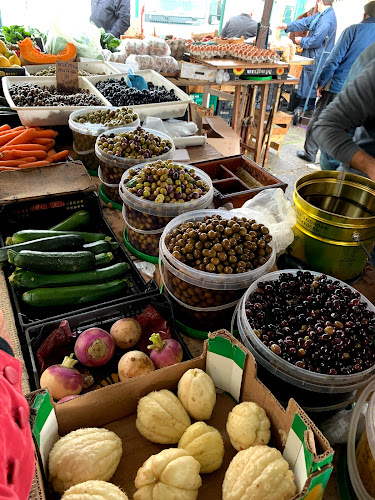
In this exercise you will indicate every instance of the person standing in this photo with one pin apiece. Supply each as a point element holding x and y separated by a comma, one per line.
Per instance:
<point>352,42</point>
<point>111,15</point>
<point>321,25</point>
<point>242,25</point>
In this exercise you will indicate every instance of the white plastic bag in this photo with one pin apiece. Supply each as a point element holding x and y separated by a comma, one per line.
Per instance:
<point>68,29</point>
<point>336,428</point>
<point>271,208</point>
<point>174,128</point>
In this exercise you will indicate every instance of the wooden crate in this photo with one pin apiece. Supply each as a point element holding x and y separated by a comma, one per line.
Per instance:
<point>237,179</point>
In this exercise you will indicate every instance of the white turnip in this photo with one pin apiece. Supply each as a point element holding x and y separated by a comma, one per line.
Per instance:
<point>94,347</point>
<point>164,352</point>
<point>62,380</point>
<point>134,363</point>
<point>126,332</point>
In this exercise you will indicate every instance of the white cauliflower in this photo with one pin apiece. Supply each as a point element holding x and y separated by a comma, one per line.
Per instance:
<point>259,473</point>
<point>248,425</point>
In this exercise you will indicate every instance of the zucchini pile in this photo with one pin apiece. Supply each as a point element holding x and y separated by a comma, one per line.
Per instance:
<point>62,266</point>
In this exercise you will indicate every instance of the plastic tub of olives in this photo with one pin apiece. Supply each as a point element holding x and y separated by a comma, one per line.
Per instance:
<point>113,167</point>
<point>88,158</point>
<point>202,289</point>
<point>148,215</point>
<point>146,241</point>
<point>110,190</point>
<point>288,372</point>
<point>86,133</point>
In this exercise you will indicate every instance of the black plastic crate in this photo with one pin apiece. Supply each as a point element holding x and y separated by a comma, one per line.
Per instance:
<point>103,318</point>
<point>43,214</point>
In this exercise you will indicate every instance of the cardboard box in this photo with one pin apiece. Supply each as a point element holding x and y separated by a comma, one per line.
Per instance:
<point>233,370</point>
<point>221,136</point>
<point>197,72</point>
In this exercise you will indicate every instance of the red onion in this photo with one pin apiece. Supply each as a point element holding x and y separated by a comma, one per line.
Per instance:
<point>164,352</point>
<point>94,347</point>
<point>62,380</point>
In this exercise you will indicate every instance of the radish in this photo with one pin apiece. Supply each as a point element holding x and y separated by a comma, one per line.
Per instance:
<point>94,347</point>
<point>67,398</point>
<point>62,380</point>
<point>164,352</point>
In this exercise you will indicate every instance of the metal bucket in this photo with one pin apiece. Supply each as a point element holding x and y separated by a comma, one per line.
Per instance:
<point>335,230</point>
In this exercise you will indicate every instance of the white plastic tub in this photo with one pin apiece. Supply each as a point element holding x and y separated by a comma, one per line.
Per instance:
<point>144,241</point>
<point>46,116</point>
<point>163,110</point>
<point>95,67</point>
<point>315,392</point>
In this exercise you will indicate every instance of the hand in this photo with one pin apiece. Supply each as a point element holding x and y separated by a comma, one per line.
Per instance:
<point>3,330</point>
<point>319,91</point>
<point>297,40</point>
<point>282,27</point>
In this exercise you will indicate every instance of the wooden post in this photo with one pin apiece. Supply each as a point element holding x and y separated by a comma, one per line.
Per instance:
<point>264,24</point>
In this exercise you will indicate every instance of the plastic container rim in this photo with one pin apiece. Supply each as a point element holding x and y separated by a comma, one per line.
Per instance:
<point>83,153</point>
<point>126,163</point>
<point>138,253</point>
<point>358,379</point>
<point>95,129</point>
<point>105,183</point>
<point>199,278</point>
<point>166,209</point>
<point>107,200</point>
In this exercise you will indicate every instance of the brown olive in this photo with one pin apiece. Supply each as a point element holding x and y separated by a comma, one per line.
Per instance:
<point>226,244</point>
<point>215,261</point>
<point>218,247</point>
<point>203,237</point>
<point>222,256</point>
<point>228,270</point>
<point>255,227</point>
<point>228,231</point>
<point>210,268</point>
<point>236,227</point>
<point>232,259</point>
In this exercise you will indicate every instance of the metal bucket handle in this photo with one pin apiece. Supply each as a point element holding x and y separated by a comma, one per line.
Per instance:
<point>357,237</point>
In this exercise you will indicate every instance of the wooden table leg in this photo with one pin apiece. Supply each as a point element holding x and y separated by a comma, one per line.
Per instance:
<point>272,119</point>
<point>242,109</point>
<point>251,113</point>
<point>236,107</point>
<point>206,96</point>
<point>262,115</point>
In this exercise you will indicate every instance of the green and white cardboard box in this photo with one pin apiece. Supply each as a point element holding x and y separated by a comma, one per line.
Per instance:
<point>233,370</point>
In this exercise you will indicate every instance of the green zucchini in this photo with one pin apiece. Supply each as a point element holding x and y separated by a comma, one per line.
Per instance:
<point>80,218</point>
<point>101,246</point>
<point>51,244</point>
<point>58,262</point>
<point>73,295</point>
<point>34,234</point>
<point>30,279</point>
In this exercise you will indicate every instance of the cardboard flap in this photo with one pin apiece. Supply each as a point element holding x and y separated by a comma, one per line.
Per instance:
<point>219,128</point>
<point>30,183</point>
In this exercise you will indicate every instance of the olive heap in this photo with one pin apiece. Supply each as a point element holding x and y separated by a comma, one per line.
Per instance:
<point>119,94</point>
<point>134,144</point>
<point>109,117</point>
<point>314,323</point>
<point>51,71</point>
<point>166,182</point>
<point>221,246</point>
<point>28,94</point>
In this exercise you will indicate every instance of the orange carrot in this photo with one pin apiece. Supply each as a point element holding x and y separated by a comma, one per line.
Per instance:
<point>5,139</point>
<point>15,163</point>
<point>40,155</point>
<point>24,147</point>
<point>7,155</point>
<point>42,163</point>
<point>16,129</point>
<point>48,133</point>
<point>51,152</point>
<point>42,140</point>
<point>25,137</point>
<point>51,145</point>
<point>3,169</point>
<point>59,156</point>
<point>5,127</point>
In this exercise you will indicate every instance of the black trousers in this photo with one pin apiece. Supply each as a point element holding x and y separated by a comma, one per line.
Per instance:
<point>311,147</point>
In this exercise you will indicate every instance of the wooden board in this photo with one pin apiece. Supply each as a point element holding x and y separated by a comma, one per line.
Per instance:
<point>236,63</point>
<point>301,61</point>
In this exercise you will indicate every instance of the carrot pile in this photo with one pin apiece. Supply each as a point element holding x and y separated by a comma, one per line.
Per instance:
<point>26,147</point>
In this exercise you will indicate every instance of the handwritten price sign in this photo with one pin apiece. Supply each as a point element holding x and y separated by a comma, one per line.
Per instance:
<point>67,75</point>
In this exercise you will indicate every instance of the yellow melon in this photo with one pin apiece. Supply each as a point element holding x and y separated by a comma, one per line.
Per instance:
<point>4,62</point>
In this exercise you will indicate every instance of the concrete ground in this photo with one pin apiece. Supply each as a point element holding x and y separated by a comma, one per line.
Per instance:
<point>287,166</point>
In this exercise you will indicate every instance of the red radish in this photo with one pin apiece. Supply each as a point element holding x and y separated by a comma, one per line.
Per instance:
<point>62,380</point>
<point>94,347</point>
<point>67,398</point>
<point>164,352</point>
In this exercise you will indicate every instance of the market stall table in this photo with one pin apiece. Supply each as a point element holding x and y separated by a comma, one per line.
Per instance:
<point>244,103</point>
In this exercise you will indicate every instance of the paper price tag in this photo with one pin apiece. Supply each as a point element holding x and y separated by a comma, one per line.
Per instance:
<point>67,75</point>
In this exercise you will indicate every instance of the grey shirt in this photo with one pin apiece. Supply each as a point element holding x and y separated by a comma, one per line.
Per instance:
<point>112,15</point>
<point>237,26</point>
<point>353,109</point>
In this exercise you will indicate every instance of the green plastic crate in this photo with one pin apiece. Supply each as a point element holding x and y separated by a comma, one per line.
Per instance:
<point>198,99</point>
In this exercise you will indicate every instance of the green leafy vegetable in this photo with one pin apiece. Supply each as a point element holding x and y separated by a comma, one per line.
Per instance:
<point>16,33</point>
<point>109,41</point>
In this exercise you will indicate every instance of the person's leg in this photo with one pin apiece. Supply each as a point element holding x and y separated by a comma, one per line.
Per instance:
<point>311,147</point>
